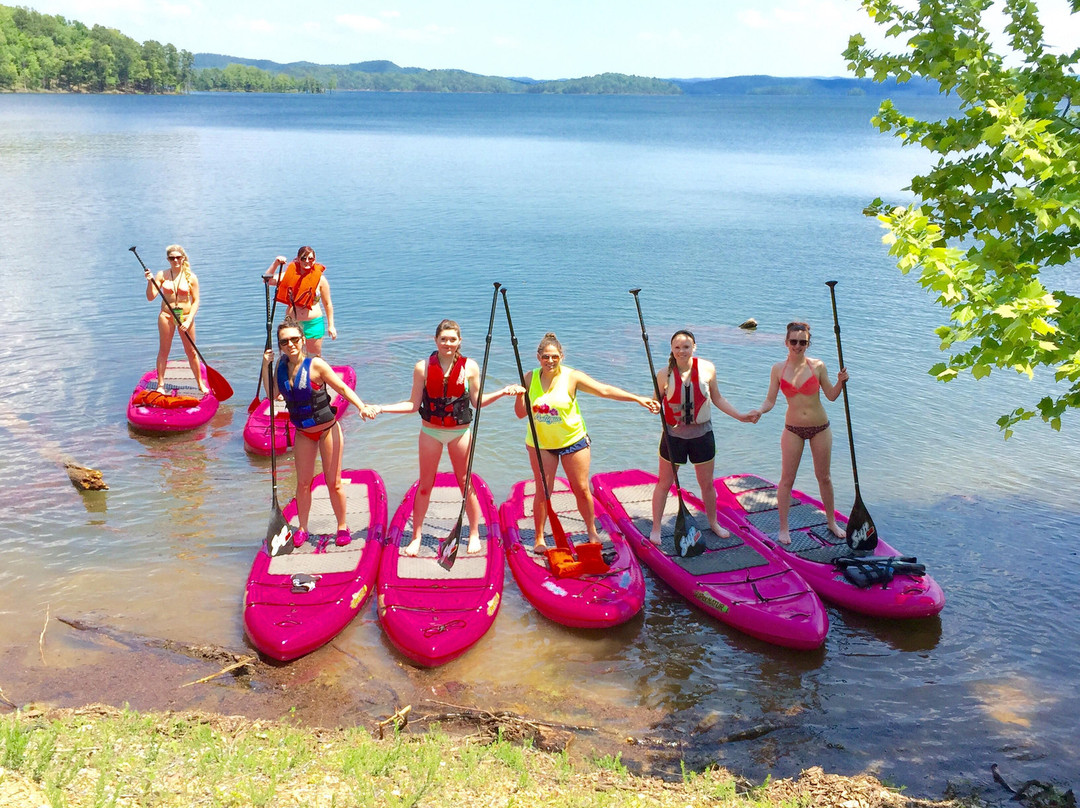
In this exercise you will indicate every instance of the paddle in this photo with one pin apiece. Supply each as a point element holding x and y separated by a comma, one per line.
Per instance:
<point>279,539</point>
<point>218,386</point>
<point>448,548</point>
<point>861,533</point>
<point>557,532</point>
<point>254,405</point>
<point>688,541</point>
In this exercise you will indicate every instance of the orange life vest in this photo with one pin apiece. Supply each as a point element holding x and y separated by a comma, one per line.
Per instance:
<point>304,287</point>
<point>676,411</point>
<point>445,401</point>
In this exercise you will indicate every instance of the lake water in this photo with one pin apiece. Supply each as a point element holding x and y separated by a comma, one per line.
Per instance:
<point>720,209</point>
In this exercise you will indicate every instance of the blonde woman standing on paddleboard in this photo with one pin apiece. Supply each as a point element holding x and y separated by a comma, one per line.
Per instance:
<point>303,381</point>
<point>560,429</point>
<point>444,392</point>
<point>302,287</point>
<point>802,379</point>
<point>179,296</point>
<point>687,387</point>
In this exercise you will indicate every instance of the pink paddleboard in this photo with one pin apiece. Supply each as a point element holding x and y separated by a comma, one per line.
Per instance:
<point>297,602</point>
<point>589,601</point>
<point>257,428</point>
<point>737,580</point>
<point>752,502</point>
<point>178,381</point>
<point>433,615</point>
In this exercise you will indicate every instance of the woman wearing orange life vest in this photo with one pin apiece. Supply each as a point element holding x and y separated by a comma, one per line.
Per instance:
<point>180,292</point>
<point>302,287</point>
<point>444,391</point>
<point>687,386</point>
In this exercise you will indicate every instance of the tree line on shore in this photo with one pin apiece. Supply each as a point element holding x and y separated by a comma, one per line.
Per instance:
<point>48,53</point>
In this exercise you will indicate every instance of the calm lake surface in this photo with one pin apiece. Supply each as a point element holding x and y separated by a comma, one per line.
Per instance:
<point>720,209</point>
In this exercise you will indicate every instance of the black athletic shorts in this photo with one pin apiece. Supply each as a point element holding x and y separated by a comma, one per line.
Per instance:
<point>697,450</point>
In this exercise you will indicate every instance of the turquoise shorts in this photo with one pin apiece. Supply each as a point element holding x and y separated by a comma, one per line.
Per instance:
<point>445,435</point>
<point>315,328</point>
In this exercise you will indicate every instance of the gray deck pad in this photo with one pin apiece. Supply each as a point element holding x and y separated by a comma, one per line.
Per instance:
<point>761,499</point>
<point>747,483</point>
<point>799,516</point>
<point>731,559</point>
<point>177,378</point>
<point>321,522</point>
<point>637,502</point>
<point>441,518</point>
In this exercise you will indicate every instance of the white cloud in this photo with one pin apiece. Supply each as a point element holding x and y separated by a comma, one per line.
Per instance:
<point>751,18</point>
<point>390,15</point>
<point>360,23</point>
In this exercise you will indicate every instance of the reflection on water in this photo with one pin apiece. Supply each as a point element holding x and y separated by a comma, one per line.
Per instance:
<point>719,209</point>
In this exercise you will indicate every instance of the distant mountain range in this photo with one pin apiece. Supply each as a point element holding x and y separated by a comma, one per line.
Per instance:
<point>384,74</point>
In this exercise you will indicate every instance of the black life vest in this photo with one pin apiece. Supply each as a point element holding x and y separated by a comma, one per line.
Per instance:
<point>307,407</point>
<point>445,401</point>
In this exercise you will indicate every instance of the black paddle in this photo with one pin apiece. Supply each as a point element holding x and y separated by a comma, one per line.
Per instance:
<point>688,541</point>
<point>557,532</point>
<point>254,405</point>
<point>861,533</point>
<point>448,548</point>
<point>279,539</point>
<point>218,386</point>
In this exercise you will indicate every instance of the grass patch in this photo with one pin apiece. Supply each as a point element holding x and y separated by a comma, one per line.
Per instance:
<point>100,757</point>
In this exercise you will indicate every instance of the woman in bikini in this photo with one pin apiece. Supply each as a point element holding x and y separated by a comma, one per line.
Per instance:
<point>303,288</point>
<point>802,379</point>
<point>179,296</point>
<point>303,381</point>
<point>687,386</point>
<point>560,428</point>
<point>444,392</point>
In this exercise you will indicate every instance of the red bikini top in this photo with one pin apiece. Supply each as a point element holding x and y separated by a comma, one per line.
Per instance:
<point>807,388</point>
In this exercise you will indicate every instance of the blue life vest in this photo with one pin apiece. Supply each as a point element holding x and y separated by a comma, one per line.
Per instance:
<point>307,407</point>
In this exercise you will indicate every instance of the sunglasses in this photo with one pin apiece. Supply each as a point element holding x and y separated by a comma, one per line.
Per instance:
<point>801,342</point>
<point>289,341</point>
<point>176,257</point>
<point>306,258</point>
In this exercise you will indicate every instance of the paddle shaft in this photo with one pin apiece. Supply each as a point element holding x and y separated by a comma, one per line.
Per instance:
<point>555,523</point>
<point>656,390</point>
<point>847,409</point>
<point>215,379</point>
<point>456,532</point>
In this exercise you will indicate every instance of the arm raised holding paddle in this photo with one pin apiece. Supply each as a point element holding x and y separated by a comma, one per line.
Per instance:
<point>802,379</point>
<point>560,429</point>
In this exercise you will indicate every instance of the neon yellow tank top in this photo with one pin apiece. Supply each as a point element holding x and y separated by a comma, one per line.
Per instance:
<point>558,418</point>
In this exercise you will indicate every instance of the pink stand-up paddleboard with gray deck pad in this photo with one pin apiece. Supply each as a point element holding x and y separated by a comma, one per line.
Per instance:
<point>299,601</point>
<point>889,587</point>
<point>177,381</point>
<point>257,427</point>
<point>431,614</point>
<point>737,580</point>
<point>589,601</point>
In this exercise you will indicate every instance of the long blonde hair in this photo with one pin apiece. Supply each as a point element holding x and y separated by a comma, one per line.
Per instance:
<point>185,266</point>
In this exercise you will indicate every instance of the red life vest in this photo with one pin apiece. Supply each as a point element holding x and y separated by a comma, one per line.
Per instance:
<point>445,401</point>
<point>304,287</point>
<point>677,411</point>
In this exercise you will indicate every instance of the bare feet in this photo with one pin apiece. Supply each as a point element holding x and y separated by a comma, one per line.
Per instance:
<point>413,549</point>
<point>474,545</point>
<point>719,531</point>
<point>784,538</point>
<point>161,389</point>
<point>654,537</point>
<point>837,531</point>
<point>540,548</point>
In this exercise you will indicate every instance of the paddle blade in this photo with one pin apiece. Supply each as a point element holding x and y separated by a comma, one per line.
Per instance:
<point>279,539</point>
<point>254,405</point>
<point>688,541</point>
<point>448,547</point>
<point>861,533</point>
<point>557,532</point>
<point>221,389</point>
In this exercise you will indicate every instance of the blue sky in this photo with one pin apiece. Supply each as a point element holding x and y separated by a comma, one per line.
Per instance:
<point>543,40</point>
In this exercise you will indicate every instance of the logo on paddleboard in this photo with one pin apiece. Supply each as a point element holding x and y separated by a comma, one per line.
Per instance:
<point>358,597</point>
<point>493,605</point>
<point>711,602</point>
